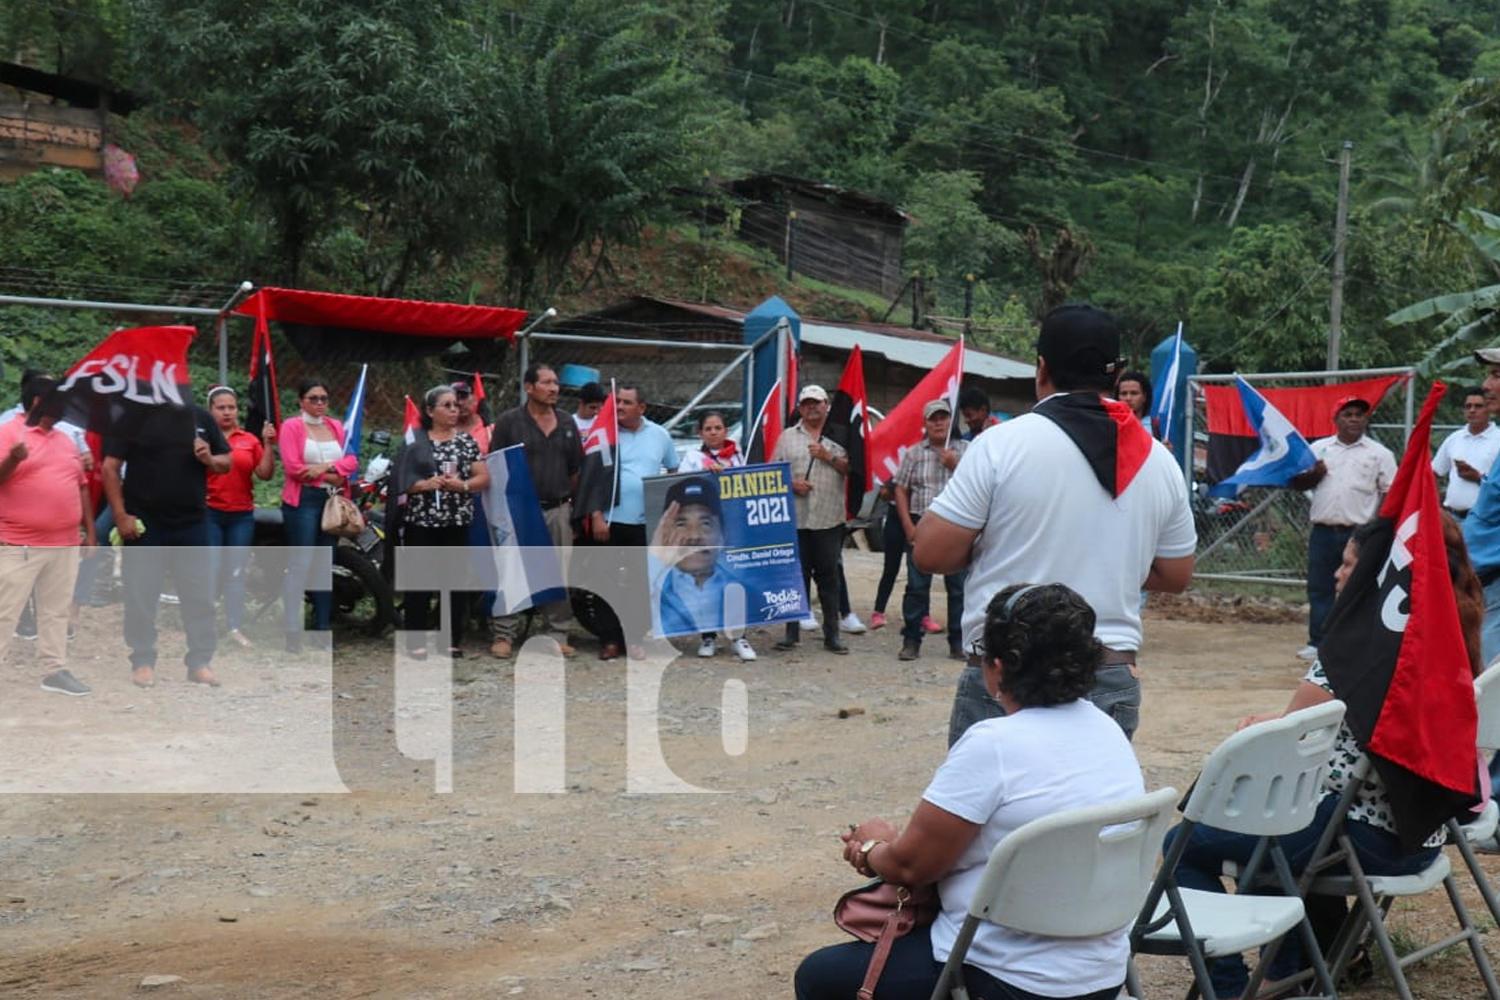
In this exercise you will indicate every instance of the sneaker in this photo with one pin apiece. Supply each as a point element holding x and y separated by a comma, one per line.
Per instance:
<point>62,682</point>
<point>909,651</point>
<point>708,647</point>
<point>928,625</point>
<point>810,622</point>
<point>743,649</point>
<point>72,631</point>
<point>850,623</point>
<point>167,597</point>
<point>26,628</point>
<point>1308,652</point>
<point>877,620</point>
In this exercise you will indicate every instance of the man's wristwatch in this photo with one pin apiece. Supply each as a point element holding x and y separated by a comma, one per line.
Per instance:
<point>863,857</point>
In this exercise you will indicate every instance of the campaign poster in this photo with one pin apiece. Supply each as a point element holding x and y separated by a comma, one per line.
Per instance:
<point>723,550</point>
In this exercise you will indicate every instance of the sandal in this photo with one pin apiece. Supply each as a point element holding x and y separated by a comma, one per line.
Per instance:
<point>417,654</point>
<point>455,652</point>
<point>241,638</point>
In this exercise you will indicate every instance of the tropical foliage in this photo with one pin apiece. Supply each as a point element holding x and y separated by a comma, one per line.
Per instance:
<point>516,149</point>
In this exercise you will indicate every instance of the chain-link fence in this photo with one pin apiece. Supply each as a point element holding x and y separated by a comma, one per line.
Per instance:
<point>1261,535</point>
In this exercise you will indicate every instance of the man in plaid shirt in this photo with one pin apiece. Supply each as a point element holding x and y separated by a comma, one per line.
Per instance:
<point>925,469</point>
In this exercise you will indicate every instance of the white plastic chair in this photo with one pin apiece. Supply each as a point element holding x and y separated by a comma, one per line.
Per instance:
<point>1374,894</point>
<point>1078,873</point>
<point>1263,781</point>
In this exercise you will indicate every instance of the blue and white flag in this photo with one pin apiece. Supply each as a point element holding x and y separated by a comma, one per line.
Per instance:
<point>525,560</point>
<point>354,417</point>
<point>1166,413</point>
<point>1283,453</point>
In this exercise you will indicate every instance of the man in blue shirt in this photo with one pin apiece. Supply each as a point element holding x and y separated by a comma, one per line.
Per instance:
<point>645,450</point>
<point>1482,526</point>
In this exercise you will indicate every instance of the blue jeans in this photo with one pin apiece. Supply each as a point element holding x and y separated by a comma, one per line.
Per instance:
<point>304,533</point>
<point>894,538</point>
<point>1116,693</point>
<point>179,550</point>
<point>910,973</point>
<point>230,533</point>
<point>1325,552</point>
<point>1208,848</point>
<point>916,604</point>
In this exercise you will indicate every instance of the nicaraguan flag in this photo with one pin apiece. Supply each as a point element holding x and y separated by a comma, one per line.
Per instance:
<point>354,417</point>
<point>1282,454</point>
<point>525,560</point>
<point>1166,413</point>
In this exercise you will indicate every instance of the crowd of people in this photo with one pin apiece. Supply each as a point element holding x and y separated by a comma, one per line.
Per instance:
<point>1047,528</point>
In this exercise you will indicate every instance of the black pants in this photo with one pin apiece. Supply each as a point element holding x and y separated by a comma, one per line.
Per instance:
<point>820,549</point>
<point>611,631</point>
<point>418,604</point>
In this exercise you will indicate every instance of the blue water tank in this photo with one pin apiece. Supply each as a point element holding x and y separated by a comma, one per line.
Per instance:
<point>576,376</point>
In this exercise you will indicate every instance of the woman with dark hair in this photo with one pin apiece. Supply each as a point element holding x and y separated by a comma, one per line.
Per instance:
<point>436,477</point>
<point>312,453</point>
<point>1368,822</point>
<point>231,504</point>
<point>1051,751</point>
<point>1134,390</point>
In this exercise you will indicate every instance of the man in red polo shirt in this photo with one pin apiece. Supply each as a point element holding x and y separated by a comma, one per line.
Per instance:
<point>44,510</point>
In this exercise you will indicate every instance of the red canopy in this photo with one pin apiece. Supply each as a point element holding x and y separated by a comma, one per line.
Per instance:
<point>447,320</point>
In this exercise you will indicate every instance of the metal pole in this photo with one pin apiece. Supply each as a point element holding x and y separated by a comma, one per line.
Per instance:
<point>791,242</point>
<point>1340,237</point>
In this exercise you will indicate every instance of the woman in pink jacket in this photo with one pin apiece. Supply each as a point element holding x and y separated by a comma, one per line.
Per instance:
<point>312,453</point>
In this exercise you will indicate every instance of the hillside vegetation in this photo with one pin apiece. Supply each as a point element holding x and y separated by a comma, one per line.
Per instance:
<point>1169,160</point>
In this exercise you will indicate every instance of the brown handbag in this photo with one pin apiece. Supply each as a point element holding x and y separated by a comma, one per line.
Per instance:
<point>880,912</point>
<point>341,516</point>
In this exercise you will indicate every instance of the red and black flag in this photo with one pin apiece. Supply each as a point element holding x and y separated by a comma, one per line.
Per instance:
<point>1232,438</point>
<point>1107,432</point>
<point>134,386</point>
<point>1394,653</point>
<point>599,476</point>
<point>846,425</point>
<point>263,405</point>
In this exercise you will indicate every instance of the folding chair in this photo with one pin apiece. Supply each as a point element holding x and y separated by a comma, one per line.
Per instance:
<point>1074,874</point>
<point>1374,894</point>
<point>1264,781</point>
<point>1482,827</point>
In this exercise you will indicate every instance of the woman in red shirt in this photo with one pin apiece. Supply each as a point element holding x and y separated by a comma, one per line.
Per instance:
<point>231,504</point>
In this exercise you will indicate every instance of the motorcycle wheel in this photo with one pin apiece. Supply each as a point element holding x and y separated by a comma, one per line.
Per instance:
<point>362,597</point>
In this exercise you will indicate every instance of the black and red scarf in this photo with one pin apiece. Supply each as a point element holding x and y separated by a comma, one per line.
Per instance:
<point>1108,433</point>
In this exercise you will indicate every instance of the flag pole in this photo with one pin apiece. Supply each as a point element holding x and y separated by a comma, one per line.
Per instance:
<point>614,480</point>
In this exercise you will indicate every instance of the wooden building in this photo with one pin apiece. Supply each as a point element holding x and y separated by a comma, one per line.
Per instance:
<point>48,120</point>
<point>831,233</point>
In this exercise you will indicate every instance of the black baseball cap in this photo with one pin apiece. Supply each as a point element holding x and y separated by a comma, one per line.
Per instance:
<point>1082,339</point>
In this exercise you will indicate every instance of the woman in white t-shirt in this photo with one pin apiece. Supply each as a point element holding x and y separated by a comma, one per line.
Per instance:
<point>1052,751</point>
<point>717,453</point>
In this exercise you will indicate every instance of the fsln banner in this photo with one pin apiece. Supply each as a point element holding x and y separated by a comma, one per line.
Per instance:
<point>723,552</point>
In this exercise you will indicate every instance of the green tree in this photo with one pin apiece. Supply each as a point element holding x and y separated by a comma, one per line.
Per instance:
<point>591,116</point>
<point>949,235</point>
<point>332,111</point>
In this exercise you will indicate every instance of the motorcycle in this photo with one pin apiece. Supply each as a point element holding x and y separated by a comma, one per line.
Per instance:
<point>363,594</point>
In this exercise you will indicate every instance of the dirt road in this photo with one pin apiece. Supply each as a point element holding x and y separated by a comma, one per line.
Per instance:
<point>303,854</point>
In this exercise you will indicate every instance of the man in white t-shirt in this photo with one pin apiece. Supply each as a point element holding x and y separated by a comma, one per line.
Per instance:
<point>1467,454</point>
<point>1074,492</point>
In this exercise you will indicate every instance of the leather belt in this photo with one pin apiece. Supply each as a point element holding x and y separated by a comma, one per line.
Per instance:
<point>1112,658</point>
<point>552,504</point>
<point>1334,527</point>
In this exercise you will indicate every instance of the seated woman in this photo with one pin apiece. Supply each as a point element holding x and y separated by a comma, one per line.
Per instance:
<point>1052,751</point>
<point>1369,823</point>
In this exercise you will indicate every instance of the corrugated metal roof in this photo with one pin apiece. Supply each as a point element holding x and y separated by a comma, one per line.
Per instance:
<point>903,345</point>
<point>923,353</point>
